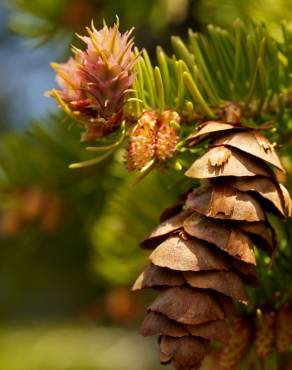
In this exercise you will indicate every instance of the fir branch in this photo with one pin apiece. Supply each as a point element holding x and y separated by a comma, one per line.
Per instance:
<point>244,65</point>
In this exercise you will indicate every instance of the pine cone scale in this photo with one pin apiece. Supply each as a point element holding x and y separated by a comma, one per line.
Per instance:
<point>239,163</point>
<point>187,255</point>
<point>187,306</point>
<point>247,142</point>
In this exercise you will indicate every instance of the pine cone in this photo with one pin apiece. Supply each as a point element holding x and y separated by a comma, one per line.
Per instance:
<point>93,84</point>
<point>141,146</point>
<point>154,137</point>
<point>166,136</point>
<point>265,333</point>
<point>203,249</point>
<point>284,329</point>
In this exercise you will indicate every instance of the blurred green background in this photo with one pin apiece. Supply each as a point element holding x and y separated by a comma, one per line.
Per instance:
<point>69,239</point>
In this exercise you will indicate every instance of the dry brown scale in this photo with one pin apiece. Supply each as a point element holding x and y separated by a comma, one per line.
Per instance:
<point>203,251</point>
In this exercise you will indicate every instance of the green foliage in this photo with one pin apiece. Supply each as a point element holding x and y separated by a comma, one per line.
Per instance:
<point>131,212</point>
<point>43,14</point>
<point>60,258</point>
<point>244,65</point>
<point>58,19</point>
<point>223,13</point>
<point>74,346</point>
<point>106,214</point>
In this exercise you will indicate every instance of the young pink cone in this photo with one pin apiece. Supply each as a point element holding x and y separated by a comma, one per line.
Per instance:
<point>94,84</point>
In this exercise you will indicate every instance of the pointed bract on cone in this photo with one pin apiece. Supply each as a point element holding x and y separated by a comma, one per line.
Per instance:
<point>253,143</point>
<point>69,78</point>
<point>224,202</point>
<point>219,156</point>
<point>95,82</point>
<point>238,164</point>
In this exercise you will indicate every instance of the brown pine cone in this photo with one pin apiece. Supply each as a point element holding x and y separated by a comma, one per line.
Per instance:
<point>203,251</point>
